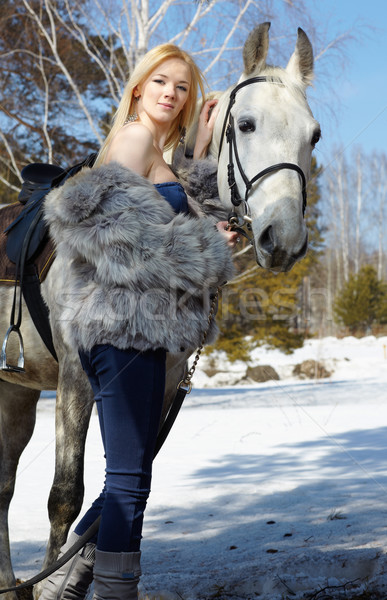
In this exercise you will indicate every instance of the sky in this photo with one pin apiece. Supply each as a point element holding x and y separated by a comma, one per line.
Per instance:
<point>361,114</point>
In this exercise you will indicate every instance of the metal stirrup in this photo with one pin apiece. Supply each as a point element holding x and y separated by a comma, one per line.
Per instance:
<point>4,366</point>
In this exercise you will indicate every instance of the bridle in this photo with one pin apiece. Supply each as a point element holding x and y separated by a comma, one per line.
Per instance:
<point>228,132</point>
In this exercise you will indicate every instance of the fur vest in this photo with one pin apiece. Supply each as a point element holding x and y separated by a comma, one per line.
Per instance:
<point>130,271</point>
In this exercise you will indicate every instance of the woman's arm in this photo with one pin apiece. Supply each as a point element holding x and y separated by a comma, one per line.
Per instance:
<point>207,120</point>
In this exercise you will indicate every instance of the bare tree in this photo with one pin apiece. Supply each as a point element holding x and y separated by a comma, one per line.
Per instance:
<point>380,168</point>
<point>359,195</point>
<point>337,200</point>
<point>355,194</point>
<point>63,63</point>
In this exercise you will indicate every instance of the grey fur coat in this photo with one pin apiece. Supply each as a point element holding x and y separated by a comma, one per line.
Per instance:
<point>132,272</point>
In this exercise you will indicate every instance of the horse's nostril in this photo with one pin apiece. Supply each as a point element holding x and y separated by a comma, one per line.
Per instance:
<point>267,239</point>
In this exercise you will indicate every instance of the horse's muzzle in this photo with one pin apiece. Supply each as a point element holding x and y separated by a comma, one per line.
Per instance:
<point>271,254</point>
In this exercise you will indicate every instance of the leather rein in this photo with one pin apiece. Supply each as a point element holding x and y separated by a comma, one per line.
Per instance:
<point>237,222</point>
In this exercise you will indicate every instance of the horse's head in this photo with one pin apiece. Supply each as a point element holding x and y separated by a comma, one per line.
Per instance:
<point>264,137</point>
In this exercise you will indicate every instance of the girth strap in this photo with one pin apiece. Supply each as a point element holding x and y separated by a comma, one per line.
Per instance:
<point>38,311</point>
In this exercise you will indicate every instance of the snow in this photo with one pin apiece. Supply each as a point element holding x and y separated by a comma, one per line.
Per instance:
<point>262,491</point>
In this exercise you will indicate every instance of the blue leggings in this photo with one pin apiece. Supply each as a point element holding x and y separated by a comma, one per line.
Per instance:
<point>128,386</point>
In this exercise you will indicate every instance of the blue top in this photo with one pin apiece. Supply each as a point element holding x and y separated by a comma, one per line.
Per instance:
<point>174,193</point>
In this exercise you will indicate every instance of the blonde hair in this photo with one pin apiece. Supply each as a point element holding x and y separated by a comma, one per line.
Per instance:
<point>149,63</point>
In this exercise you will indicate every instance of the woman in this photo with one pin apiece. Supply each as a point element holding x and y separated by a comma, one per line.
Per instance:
<point>139,277</point>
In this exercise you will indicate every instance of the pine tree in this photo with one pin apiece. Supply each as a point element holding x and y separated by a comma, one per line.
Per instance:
<point>362,301</point>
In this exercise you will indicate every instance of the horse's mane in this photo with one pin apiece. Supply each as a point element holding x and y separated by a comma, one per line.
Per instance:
<point>191,133</point>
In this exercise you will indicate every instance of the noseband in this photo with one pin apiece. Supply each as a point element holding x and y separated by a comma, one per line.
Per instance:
<point>228,131</point>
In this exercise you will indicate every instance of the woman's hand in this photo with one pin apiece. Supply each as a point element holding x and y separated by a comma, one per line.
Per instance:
<point>207,120</point>
<point>231,236</point>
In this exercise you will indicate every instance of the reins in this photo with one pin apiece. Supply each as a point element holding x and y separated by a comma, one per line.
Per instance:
<point>92,530</point>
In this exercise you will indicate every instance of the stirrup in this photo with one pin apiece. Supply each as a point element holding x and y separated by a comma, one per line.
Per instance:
<point>4,366</point>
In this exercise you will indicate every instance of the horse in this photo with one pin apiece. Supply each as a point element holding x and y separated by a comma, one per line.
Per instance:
<point>267,129</point>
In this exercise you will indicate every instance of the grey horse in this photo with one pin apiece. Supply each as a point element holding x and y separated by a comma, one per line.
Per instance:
<point>273,126</point>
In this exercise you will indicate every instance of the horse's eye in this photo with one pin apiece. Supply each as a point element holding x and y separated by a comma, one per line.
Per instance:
<point>246,126</point>
<point>316,137</point>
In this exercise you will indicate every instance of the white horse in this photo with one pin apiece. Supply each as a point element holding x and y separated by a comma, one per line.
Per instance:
<point>271,133</point>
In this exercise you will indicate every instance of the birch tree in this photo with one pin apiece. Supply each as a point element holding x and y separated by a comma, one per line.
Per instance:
<point>359,196</point>
<point>354,193</point>
<point>380,164</point>
<point>64,63</point>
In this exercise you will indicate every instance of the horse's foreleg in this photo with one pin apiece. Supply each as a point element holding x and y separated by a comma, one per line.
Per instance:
<point>73,408</point>
<point>17,421</point>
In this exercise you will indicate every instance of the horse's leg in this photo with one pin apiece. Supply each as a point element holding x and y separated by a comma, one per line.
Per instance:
<point>74,403</point>
<point>17,421</point>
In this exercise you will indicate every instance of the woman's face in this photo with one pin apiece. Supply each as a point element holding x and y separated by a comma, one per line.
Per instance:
<point>164,93</point>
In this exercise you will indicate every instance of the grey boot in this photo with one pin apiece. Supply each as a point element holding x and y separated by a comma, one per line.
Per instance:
<point>71,581</point>
<point>116,575</point>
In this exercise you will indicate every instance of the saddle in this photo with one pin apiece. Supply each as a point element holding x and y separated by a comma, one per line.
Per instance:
<point>27,252</point>
<point>40,259</point>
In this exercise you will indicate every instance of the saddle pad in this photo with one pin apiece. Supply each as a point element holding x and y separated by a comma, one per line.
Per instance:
<point>41,262</point>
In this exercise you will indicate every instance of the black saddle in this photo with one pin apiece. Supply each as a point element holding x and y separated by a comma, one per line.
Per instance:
<point>25,237</point>
<point>38,180</point>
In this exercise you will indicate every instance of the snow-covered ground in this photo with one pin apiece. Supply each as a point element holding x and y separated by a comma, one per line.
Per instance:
<point>262,491</point>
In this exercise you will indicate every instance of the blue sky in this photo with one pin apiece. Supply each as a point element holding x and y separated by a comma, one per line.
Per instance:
<point>361,116</point>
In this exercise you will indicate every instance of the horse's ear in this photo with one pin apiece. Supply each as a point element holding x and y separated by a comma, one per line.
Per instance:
<point>255,48</point>
<point>300,64</point>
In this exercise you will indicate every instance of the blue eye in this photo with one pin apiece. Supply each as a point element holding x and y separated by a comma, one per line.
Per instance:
<point>181,87</point>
